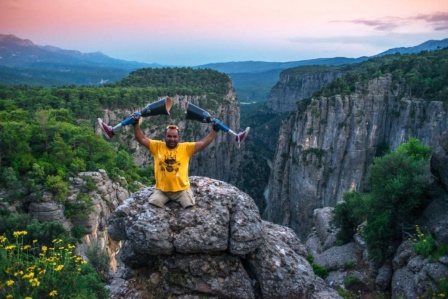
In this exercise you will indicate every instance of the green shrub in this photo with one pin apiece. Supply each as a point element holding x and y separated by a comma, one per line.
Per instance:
<point>350,281</point>
<point>320,271</point>
<point>99,259</point>
<point>78,231</point>
<point>346,294</point>
<point>349,214</point>
<point>397,183</point>
<point>58,187</point>
<point>424,244</point>
<point>378,233</point>
<point>90,184</point>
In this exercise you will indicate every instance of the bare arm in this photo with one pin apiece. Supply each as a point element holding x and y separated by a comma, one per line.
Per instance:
<point>141,138</point>
<point>200,145</point>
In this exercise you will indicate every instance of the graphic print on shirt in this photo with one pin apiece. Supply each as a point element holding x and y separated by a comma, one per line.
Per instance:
<point>169,164</point>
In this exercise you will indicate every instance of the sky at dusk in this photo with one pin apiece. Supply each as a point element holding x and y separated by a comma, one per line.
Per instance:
<point>195,32</point>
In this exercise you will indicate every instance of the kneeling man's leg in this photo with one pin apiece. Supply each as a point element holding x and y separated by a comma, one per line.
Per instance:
<point>158,198</point>
<point>186,198</point>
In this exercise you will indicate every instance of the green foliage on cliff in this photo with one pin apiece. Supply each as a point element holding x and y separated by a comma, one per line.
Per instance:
<point>41,149</point>
<point>423,75</point>
<point>185,81</point>
<point>134,92</point>
<point>397,184</point>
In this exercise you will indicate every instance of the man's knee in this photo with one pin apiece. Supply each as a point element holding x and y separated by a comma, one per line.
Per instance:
<point>158,198</point>
<point>187,199</point>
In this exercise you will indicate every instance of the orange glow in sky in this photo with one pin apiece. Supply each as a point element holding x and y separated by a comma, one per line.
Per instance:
<point>194,32</point>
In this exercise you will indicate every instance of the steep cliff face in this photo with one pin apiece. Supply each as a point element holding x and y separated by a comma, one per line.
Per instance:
<point>324,150</point>
<point>292,88</point>
<point>216,161</point>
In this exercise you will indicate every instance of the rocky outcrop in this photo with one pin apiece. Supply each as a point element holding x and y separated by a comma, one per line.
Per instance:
<point>407,274</point>
<point>103,196</point>
<point>343,262</point>
<point>324,150</point>
<point>295,87</point>
<point>416,276</point>
<point>220,248</point>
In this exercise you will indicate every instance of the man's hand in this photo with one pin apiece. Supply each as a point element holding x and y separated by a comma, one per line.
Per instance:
<point>215,127</point>
<point>138,119</point>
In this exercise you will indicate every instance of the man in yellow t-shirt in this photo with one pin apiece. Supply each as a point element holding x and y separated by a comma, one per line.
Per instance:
<point>171,159</point>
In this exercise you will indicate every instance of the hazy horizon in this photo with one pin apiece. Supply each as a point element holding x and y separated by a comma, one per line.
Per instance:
<point>189,33</point>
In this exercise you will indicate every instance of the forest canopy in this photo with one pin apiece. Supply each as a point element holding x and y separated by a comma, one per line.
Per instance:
<point>47,134</point>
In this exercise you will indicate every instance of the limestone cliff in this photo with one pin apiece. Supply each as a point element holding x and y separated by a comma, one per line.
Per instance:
<point>324,148</point>
<point>293,87</point>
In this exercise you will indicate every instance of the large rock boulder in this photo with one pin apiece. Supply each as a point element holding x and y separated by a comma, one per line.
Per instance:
<point>220,248</point>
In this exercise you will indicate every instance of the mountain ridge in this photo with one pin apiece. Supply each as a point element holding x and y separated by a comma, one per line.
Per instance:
<point>23,62</point>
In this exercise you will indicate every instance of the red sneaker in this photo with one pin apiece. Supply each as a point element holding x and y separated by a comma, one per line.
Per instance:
<point>107,130</point>
<point>241,136</point>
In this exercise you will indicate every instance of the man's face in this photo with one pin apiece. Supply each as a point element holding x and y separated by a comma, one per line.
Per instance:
<point>171,138</point>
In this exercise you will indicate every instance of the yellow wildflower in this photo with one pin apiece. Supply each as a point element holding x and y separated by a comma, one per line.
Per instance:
<point>9,282</point>
<point>28,297</point>
<point>19,233</point>
<point>26,247</point>
<point>28,275</point>
<point>34,282</point>
<point>59,268</point>
<point>34,241</point>
<point>44,248</point>
<point>3,238</point>
<point>9,296</point>
<point>53,293</point>
<point>10,247</point>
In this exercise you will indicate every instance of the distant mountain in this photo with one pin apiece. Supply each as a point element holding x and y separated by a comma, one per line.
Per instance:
<point>253,80</point>
<point>429,45</point>
<point>16,52</point>
<point>23,62</point>
<point>263,66</point>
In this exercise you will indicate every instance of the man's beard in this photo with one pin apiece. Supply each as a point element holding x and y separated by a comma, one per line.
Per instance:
<point>171,144</point>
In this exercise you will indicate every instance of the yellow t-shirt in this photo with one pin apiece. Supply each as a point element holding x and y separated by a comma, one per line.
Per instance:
<point>171,165</point>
